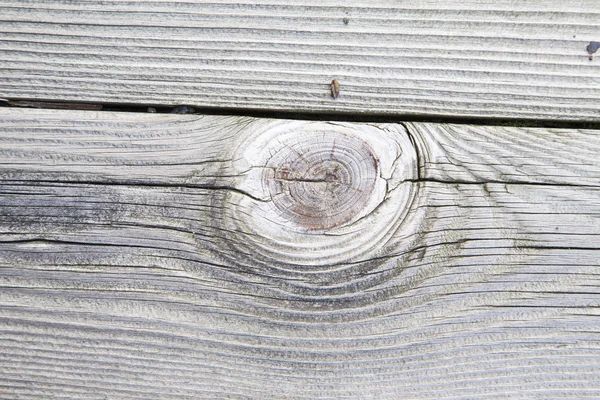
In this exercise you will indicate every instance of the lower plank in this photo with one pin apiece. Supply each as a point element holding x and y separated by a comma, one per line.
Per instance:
<point>145,286</point>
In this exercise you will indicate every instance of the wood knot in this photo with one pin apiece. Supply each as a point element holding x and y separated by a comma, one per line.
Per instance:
<point>321,192</point>
<point>321,180</point>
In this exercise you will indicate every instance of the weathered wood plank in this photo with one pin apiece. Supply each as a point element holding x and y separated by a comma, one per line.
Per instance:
<point>141,258</point>
<point>490,59</point>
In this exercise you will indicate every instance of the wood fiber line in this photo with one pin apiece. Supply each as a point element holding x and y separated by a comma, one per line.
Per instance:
<point>145,256</point>
<point>486,59</point>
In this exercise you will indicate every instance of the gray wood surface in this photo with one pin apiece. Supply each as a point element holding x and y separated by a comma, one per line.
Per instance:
<point>166,257</point>
<point>477,58</point>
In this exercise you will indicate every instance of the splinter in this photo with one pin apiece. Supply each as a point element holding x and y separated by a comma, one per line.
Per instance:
<point>335,88</point>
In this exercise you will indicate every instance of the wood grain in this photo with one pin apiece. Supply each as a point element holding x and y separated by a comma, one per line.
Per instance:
<point>132,265</point>
<point>487,59</point>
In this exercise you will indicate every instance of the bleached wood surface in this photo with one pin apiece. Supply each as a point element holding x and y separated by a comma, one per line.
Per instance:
<point>143,256</point>
<point>484,58</point>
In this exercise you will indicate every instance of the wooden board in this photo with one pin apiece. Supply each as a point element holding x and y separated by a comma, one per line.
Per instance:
<point>486,59</point>
<point>170,257</point>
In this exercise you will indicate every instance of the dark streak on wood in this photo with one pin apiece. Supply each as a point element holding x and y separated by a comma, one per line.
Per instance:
<point>55,105</point>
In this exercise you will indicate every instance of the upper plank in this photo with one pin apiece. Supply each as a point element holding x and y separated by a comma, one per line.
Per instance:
<point>490,58</point>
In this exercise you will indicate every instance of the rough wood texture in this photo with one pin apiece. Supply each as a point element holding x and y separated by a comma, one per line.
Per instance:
<point>485,58</point>
<point>145,256</point>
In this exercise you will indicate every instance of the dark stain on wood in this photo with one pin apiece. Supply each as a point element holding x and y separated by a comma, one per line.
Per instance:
<point>592,48</point>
